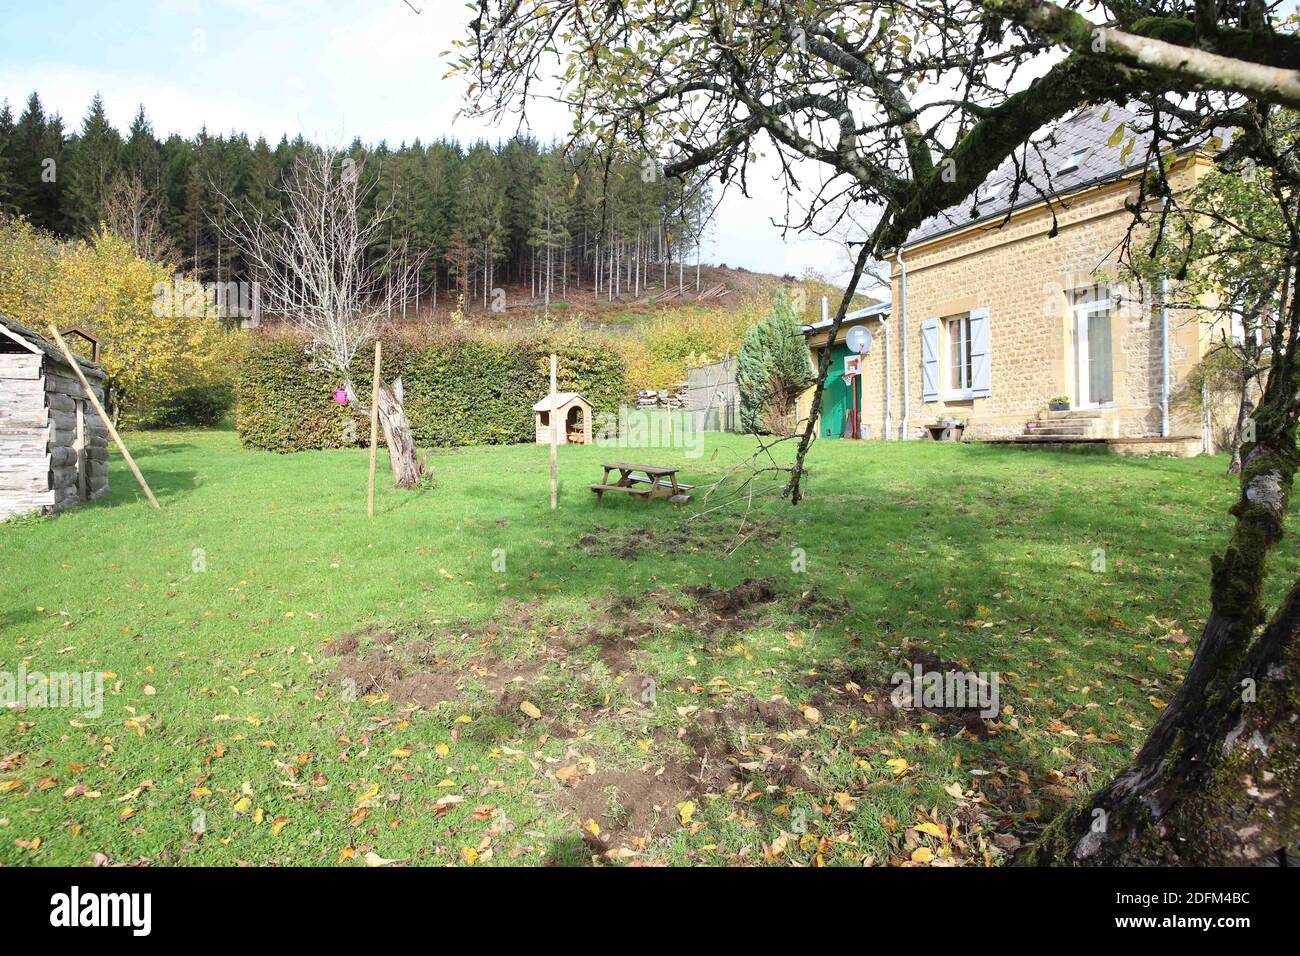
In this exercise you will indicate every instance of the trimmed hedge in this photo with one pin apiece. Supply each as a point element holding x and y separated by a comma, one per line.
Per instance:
<point>459,390</point>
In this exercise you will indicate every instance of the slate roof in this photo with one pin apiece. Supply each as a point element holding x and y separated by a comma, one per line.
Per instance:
<point>871,311</point>
<point>40,343</point>
<point>1081,141</point>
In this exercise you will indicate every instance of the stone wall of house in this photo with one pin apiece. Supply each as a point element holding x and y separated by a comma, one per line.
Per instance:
<point>1024,276</point>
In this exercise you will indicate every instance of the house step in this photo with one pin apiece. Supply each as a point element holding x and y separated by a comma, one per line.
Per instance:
<point>1067,430</point>
<point>1182,446</point>
<point>1075,414</point>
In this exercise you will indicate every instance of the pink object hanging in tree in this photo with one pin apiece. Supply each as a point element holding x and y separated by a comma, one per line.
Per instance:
<point>340,396</point>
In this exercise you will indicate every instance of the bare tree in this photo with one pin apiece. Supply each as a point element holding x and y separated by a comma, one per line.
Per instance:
<point>134,212</point>
<point>317,272</point>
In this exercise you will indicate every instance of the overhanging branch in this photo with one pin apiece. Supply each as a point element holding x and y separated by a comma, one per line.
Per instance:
<point>1199,64</point>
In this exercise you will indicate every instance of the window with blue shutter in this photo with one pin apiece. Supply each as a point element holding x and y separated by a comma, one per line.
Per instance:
<point>930,360</point>
<point>981,373</point>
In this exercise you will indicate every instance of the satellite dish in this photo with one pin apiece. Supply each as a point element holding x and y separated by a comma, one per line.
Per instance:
<point>859,340</point>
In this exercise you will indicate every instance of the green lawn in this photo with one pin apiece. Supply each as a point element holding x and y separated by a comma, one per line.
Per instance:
<point>767,736</point>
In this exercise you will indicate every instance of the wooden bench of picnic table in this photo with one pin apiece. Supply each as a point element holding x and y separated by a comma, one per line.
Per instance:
<point>662,482</point>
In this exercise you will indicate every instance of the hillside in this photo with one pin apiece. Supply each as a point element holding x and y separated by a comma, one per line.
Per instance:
<point>719,286</point>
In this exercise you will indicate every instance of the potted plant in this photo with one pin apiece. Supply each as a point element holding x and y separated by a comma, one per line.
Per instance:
<point>1061,403</point>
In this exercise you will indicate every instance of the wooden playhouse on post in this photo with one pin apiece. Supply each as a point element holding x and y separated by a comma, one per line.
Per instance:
<point>53,445</point>
<point>574,414</point>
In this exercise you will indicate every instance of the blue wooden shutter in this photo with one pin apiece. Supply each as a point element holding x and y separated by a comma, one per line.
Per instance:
<point>930,360</point>
<point>981,374</point>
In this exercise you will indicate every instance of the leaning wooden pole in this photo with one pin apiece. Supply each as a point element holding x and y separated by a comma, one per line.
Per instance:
<point>103,416</point>
<point>555,442</point>
<point>374,431</point>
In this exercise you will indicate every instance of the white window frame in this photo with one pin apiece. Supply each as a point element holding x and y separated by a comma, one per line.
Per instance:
<point>965,391</point>
<point>1079,313</point>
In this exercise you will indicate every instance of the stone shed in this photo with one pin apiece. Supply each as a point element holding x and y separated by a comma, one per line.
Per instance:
<point>53,446</point>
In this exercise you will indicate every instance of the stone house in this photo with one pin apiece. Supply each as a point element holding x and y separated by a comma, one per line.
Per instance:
<point>993,315</point>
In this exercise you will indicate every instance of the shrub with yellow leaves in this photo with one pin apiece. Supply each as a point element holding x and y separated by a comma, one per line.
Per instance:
<point>665,347</point>
<point>153,357</point>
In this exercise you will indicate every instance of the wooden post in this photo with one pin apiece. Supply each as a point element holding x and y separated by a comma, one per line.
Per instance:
<point>555,442</point>
<point>374,432</point>
<point>99,410</point>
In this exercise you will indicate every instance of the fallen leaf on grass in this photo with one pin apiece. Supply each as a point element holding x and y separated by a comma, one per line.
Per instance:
<point>369,794</point>
<point>932,829</point>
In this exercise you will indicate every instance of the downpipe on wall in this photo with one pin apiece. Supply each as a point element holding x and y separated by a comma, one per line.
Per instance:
<point>907,365</point>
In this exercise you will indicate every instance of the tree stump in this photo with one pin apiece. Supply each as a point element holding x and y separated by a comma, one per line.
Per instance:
<point>402,453</point>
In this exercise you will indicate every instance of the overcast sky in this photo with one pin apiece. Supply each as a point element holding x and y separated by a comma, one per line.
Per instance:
<point>329,69</point>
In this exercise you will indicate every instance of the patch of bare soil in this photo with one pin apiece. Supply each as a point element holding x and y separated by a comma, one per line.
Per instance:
<point>631,543</point>
<point>628,805</point>
<point>617,634</point>
<point>379,672</point>
<point>343,645</point>
<point>728,747</point>
<point>853,693</point>
<point>860,693</point>
<point>508,706</point>
<point>730,602</point>
<point>816,603</point>
<point>740,739</point>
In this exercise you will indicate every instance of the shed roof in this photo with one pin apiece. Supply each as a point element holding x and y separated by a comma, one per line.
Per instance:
<point>1073,155</point>
<point>33,341</point>
<point>850,318</point>
<point>561,399</point>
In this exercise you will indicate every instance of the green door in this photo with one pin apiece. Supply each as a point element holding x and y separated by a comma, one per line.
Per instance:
<point>836,396</point>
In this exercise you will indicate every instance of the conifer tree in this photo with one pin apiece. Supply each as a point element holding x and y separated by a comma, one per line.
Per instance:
<point>772,370</point>
<point>94,158</point>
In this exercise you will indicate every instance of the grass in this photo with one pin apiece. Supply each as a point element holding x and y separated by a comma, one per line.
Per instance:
<point>222,708</point>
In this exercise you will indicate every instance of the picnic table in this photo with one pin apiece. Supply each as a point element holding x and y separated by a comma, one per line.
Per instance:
<point>645,481</point>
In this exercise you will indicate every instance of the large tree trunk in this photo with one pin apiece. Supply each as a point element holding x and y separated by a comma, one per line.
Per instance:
<point>1244,407</point>
<point>1218,780</point>
<point>402,453</point>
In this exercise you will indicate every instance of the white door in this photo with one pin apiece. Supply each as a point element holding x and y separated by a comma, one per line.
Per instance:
<point>1094,384</point>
